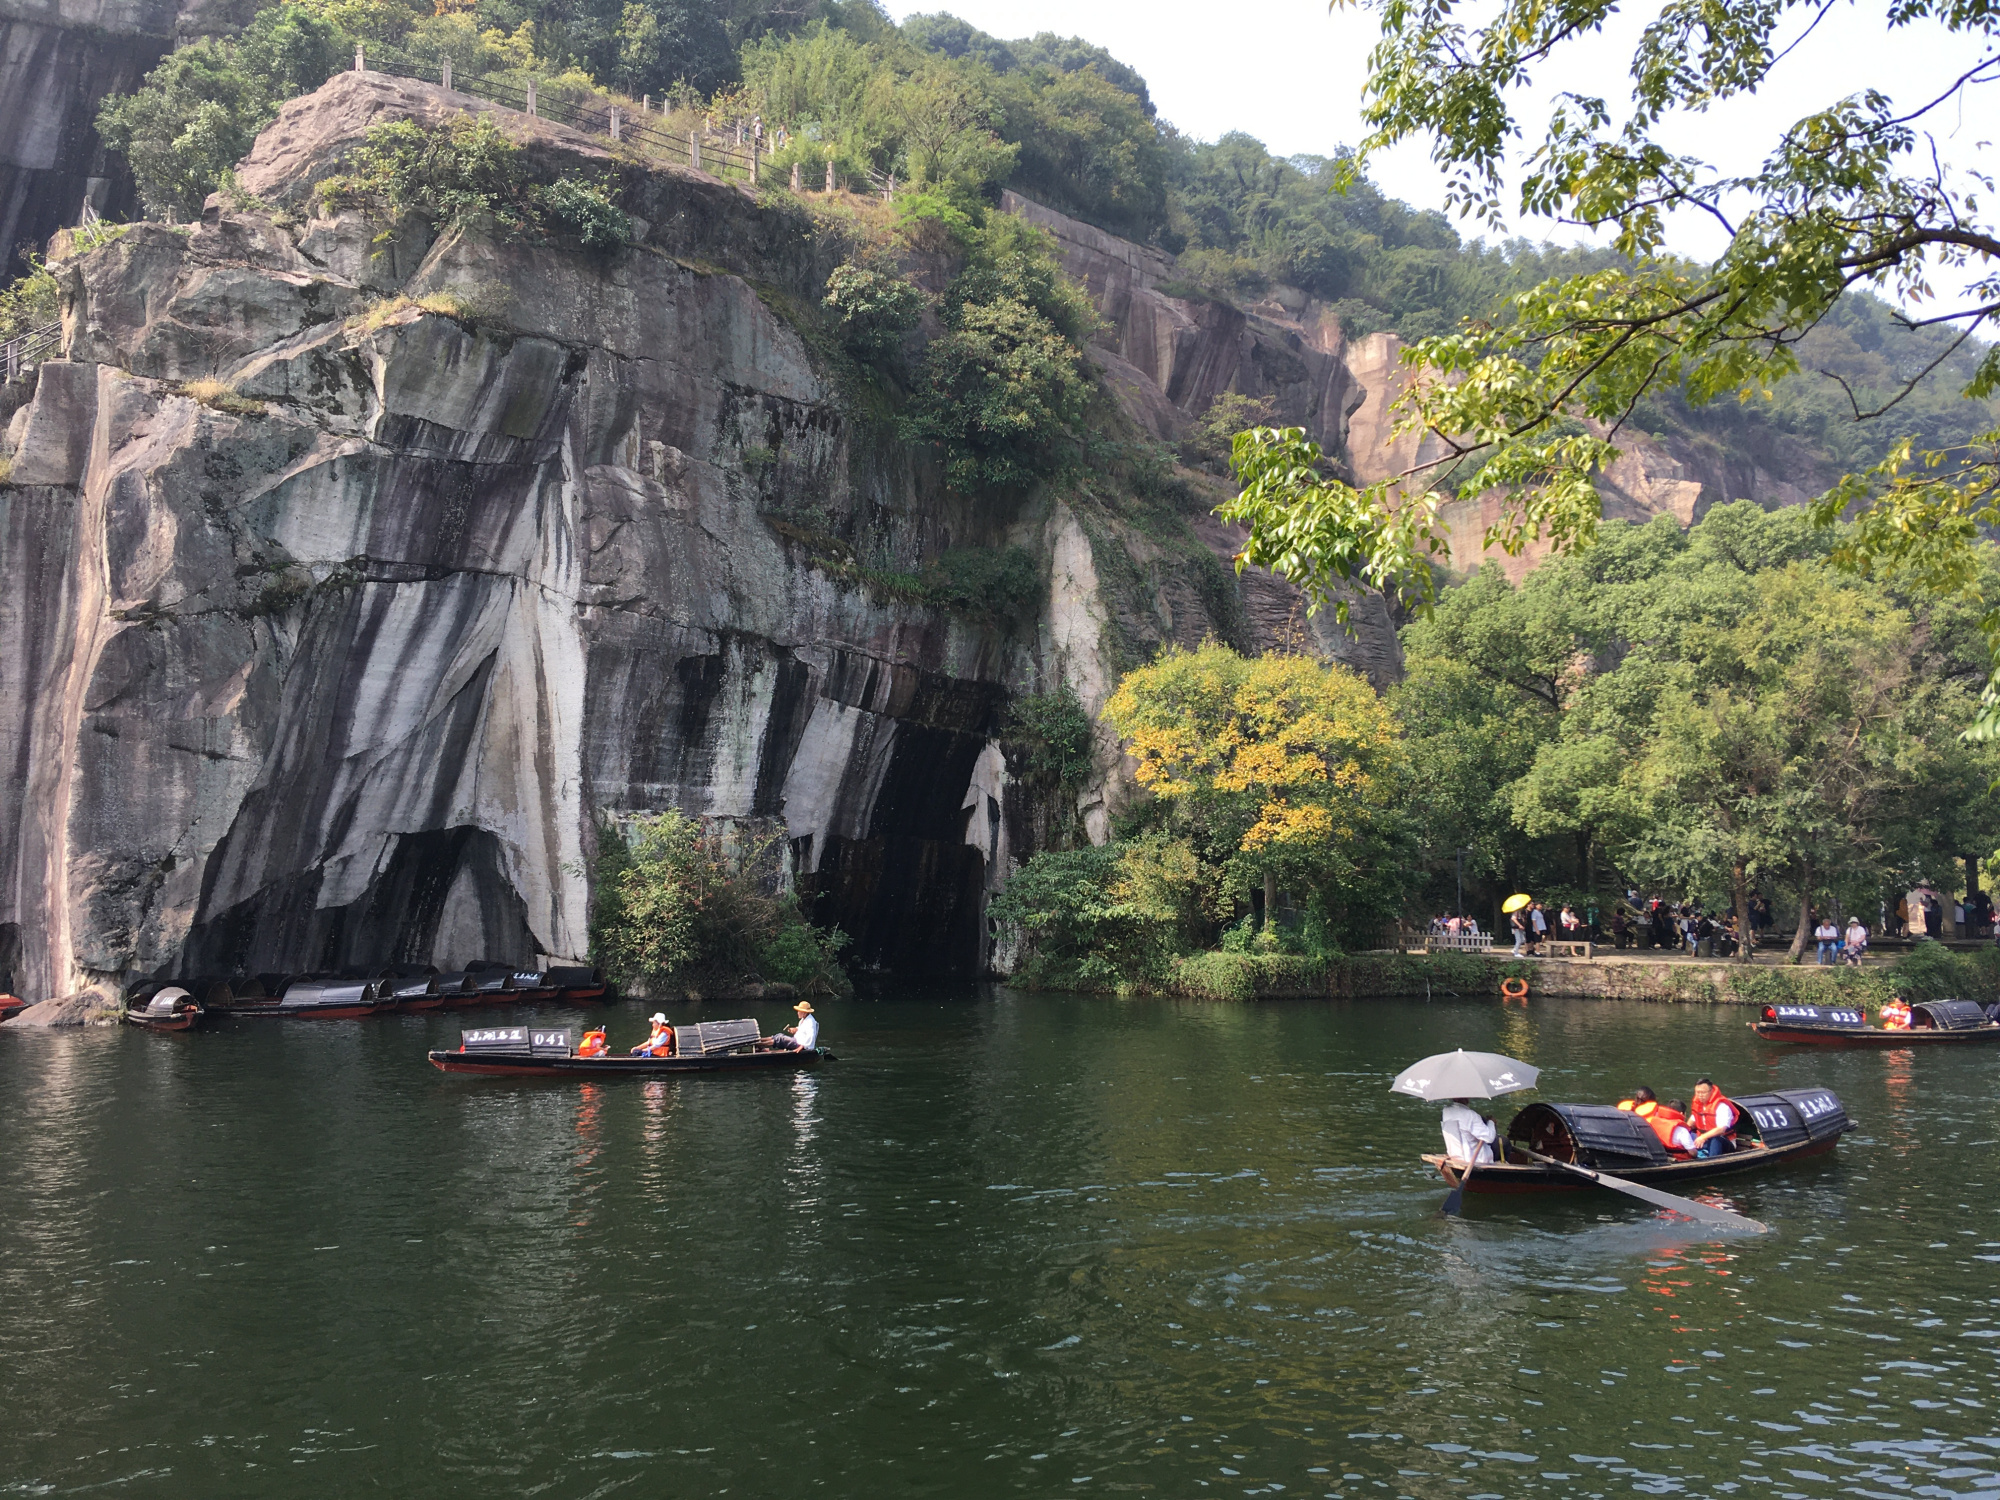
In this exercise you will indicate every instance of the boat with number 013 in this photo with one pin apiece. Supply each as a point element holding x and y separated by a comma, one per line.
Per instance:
<point>550,1052</point>
<point>1933,1023</point>
<point>1786,1126</point>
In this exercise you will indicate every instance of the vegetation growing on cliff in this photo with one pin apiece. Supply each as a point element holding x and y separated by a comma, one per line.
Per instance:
<point>468,168</point>
<point>1005,386</point>
<point>676,910</point>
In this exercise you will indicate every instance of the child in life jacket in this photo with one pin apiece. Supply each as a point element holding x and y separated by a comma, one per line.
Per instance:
<point>594,1044</point>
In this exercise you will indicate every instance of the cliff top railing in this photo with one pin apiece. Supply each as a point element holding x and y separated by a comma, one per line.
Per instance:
<point>706,150</point>
<point>21,352</point>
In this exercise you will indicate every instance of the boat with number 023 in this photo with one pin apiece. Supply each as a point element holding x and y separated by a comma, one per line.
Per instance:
<point>1934,1023</point>
<point>1788,1125</point>
<point>550,1052</point>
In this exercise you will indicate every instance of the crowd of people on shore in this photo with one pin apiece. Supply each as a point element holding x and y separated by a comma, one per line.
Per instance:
<point>1640,922</point>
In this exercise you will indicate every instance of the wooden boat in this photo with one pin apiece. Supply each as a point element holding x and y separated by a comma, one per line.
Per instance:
<point>573,982</point>
<point>478,987</point>
<point>550,1052</point>
<point>1788,1125</point>
<point>521,984</point>
<point>11,1006</point>
<point>315,1000</point>
<point>169,1009</point>
<point>1934,1023</point>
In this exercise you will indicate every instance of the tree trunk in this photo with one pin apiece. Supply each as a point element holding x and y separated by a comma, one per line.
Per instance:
<point>1739,880</point>
<point>1798,948</point>
<point>1590,867</point>
<point>1270,901</point>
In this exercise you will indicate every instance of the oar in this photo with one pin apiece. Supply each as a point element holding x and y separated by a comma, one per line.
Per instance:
<point>1653,1196</point>
<point>1457,1194</point>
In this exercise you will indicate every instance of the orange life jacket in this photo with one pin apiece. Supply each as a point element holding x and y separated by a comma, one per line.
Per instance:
<point>660,1043</point>
<point>1664,1121</point>
<point>1895,1016</point>
<point>594,1045</point>
<point>1702,1116</point>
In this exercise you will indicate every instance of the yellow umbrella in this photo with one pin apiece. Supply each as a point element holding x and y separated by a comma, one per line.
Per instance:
<point>1515,903</point>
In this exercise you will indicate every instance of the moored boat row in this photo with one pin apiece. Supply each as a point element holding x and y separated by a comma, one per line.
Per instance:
<point>322,997</point>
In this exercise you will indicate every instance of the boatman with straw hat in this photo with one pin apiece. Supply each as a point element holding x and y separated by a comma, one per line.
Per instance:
<point>661,1042</point>
<point>804,1036</point>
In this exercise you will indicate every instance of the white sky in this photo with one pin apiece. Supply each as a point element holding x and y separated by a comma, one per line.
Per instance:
<point>1291,73</point>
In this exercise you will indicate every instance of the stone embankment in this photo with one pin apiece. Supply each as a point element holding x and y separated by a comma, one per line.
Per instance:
<point>1971,975</point>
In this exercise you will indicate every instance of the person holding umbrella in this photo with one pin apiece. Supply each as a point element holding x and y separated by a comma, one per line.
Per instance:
<point>1461,1077</point>
<point>1468,1135</point>
<point>1516,908</point>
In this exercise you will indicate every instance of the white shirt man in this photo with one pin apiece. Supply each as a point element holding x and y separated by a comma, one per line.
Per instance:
<point>803,1036</point>
<point>1468,1136</point>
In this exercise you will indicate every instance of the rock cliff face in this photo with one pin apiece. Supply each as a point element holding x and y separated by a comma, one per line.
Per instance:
<point>344,665</point>
<point>58,61</point>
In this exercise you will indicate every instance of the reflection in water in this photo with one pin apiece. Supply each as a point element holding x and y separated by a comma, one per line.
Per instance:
<point>1041,1245</point>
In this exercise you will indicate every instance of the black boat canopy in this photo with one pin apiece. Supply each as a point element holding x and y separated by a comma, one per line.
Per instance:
<point>1592,1135</point>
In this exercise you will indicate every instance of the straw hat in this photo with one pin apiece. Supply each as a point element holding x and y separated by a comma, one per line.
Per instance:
<point>804,1007</point>
<point>657,1018</point>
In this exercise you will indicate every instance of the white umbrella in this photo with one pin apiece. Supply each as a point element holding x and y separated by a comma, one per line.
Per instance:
<point>1465,1075</point>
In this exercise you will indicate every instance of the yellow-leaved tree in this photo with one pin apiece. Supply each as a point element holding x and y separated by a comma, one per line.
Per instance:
<point>1279,766</point>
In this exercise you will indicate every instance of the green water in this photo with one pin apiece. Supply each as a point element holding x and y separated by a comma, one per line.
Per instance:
<point>1012,1246</point>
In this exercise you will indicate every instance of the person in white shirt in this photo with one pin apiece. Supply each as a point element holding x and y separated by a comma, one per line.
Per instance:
<point>1857,941</point>
<point>1468,1135</point>
<point>804,1036</point>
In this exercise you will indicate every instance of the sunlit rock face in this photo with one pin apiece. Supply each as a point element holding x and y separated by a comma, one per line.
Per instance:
<point>348,664</point>
<point>352,580</point>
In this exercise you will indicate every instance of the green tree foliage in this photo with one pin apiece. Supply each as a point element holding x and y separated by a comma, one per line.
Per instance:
<point>1109,918</point>
<point>669,43</point>
<point>1529,401</point>
<point>1005,386</point>
<point>201,108</point>
<point>650,891</point>
<point>874,309</point>
<point>1702,713</point>
<point>31,301</point>
<point>669,904</point>
<point>468,167</point>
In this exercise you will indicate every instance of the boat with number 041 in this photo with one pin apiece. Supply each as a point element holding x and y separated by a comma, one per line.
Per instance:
<point>550,1052</point>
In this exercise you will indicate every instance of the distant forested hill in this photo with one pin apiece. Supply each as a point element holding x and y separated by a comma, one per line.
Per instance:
<point>949,108</point>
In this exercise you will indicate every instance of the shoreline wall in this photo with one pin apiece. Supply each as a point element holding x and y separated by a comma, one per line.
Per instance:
<point>1930,973</point>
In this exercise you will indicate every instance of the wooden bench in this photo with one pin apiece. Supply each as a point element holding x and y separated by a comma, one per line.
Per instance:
<point>1565,947</point>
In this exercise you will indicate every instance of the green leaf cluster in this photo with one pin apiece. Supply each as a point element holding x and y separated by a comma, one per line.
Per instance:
<point>669,904</point>
<point>467,168</point>
<point>1699,713</point>
<point>1528,399</point>
<point>1005,387</point>
<point>201,108</point>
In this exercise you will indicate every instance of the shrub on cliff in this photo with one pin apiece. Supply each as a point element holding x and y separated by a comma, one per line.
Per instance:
<point>873,309</point>
<point>1005,386</point>
<point>1047,740</point>
<point>198,112</point>
<point>469,168</point>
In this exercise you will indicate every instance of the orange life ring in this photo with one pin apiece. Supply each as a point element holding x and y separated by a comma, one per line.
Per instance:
<point>1514,989</point>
